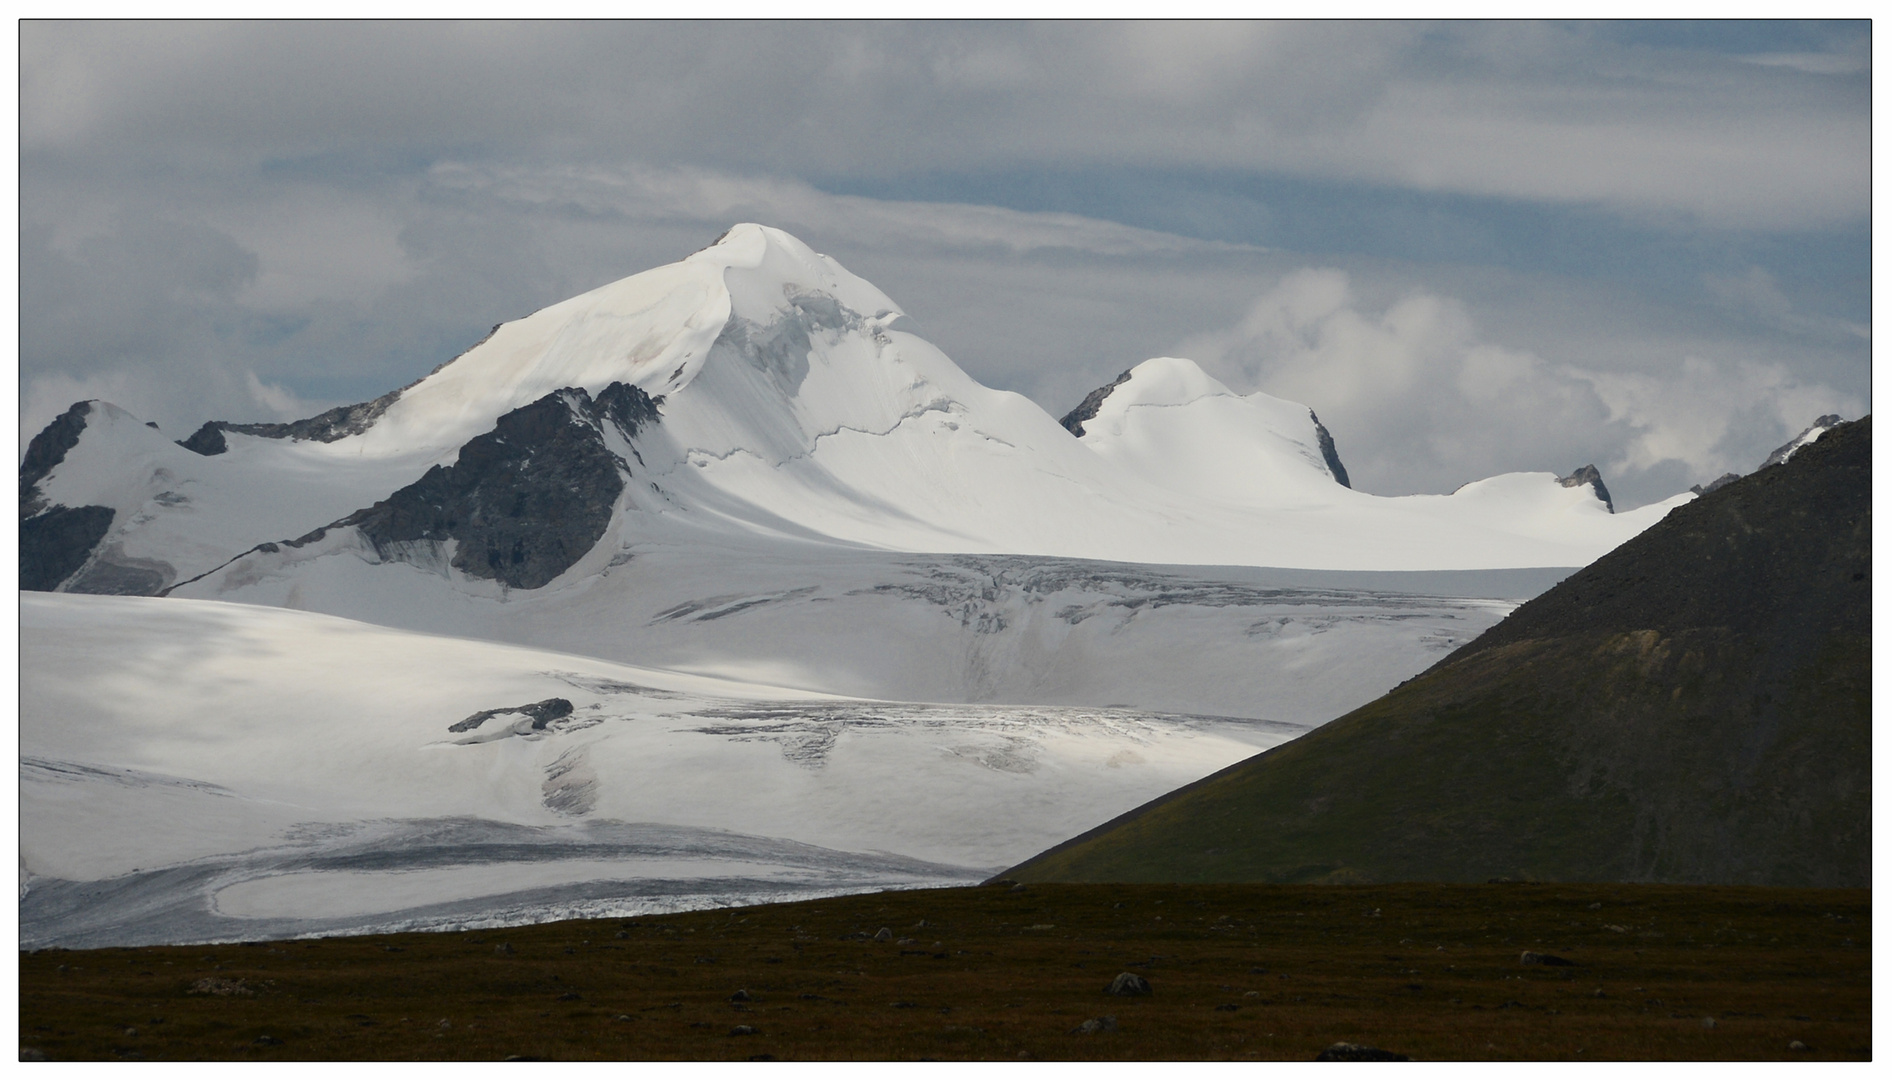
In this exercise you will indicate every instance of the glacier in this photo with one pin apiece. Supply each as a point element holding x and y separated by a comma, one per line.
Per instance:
<point>830,614</point>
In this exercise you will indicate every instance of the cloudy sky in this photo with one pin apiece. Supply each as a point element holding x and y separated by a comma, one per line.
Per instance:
<point>1471,247</point>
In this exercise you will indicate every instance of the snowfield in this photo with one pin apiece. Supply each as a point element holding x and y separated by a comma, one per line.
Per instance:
<point>193,767</point>
<point>849,620</point>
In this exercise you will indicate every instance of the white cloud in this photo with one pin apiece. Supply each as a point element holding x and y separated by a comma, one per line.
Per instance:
<point>176,398</point>
<point>1704,413</point>
<point>1539,112</point>
<point>1418,400</point>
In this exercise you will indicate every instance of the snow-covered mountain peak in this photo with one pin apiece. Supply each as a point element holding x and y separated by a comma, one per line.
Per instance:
<point>769,273</point>
<point>760,287</point>
<point>1165,380</point>
<point>1174,423</point>
<point>756,388</point>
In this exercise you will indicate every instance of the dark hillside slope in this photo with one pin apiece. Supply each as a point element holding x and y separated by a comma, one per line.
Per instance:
<point>1693,707</point>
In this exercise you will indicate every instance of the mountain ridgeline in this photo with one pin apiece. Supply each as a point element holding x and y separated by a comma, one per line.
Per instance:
<point>793,405</point>
<point>1693,707</point>
<point>522,502</point>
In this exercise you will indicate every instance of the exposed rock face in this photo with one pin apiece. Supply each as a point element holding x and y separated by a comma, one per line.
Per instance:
<point>1087,409</point>
<point>55,544</point>
<point>1786,450</point>
<point>207,440</point>
<point>625,406</point>
<point>1330,454</point>
<point>524,501</point>
<point>1716,484</point>
<point>55,541</point>
<point>337,423</point>
<point>541,712</point>
<point>47,450</point>
<point>1589,475</point>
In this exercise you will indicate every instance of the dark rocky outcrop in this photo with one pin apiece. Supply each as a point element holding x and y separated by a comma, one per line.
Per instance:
<point>1328,452</point>
<point>1716,484</point>
<point>1786,450</point>
<point>1087,409</point>
<point>524,501</point>
<point>207,440</point>
<point>541,712</point>
<point>337,423</point>
<point>56,543</point>
<point>627,407</point>
<point>47,450</point>
<point>1693,707</point>
<point>1129,984</point>
<point>1589,475</point>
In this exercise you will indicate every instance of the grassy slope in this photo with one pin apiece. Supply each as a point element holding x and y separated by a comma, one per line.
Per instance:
<point>1240,972</point>
<point>1693,707</point>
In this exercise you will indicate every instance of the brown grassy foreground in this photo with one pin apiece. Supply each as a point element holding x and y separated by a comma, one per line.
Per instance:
<point>1238,971</point>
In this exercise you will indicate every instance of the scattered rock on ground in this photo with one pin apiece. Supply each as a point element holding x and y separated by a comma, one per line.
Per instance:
<point>884,935</point>
<point>1546,959</point>
<point>742,1029</point>
<point>1129,984</point>
<point>221,987</point>
<point>1096,1025</point>
<point>1346,1051</point>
